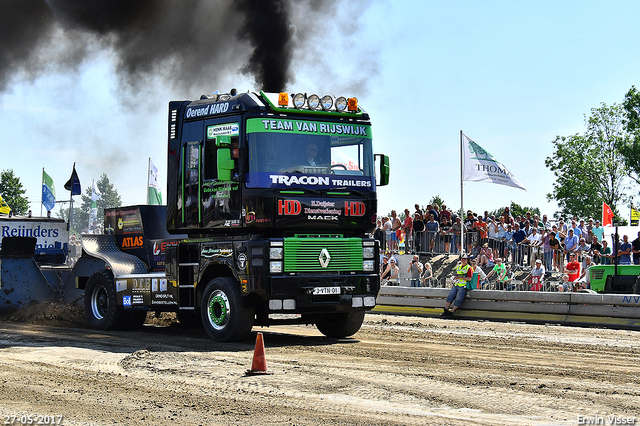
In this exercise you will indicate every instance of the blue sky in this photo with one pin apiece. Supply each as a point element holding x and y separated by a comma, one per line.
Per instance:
<point>511,75</point>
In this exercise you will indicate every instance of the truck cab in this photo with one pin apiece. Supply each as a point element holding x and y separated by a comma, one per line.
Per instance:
<point>276,195</point>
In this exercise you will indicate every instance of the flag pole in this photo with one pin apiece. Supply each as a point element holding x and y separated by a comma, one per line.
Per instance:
<point>148,174</point>
<point>461,200</point>
<point>41,200</point>
<point>71,200</point>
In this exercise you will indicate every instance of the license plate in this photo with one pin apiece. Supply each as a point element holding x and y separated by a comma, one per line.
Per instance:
<point>326,290</point>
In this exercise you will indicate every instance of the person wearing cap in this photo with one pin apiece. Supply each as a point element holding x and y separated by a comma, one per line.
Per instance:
<point>394,272</point>
<point>463,273</point>
<point>477,278</point>
<point>536,276</point>
<point>570,243</point>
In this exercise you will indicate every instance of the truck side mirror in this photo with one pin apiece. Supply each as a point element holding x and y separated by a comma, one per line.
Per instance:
<point>382,169</point>
<point>225,164</point>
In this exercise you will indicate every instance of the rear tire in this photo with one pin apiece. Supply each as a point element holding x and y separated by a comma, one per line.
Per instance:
<point>223,316</point>
<point>100,306</point>
<point>340,324</point>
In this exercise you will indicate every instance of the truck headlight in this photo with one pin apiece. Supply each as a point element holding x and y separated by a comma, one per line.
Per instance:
<point>275,252</point>
<point>369,301</point>
<point>275,267</point>
<point>368,265</point>
<point>367,252</point>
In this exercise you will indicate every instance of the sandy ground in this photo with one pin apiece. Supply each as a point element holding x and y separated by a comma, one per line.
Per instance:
<point>395,371</point>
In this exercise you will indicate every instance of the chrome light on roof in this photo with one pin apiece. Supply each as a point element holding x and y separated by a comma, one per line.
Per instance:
<point>341,103</point>
<point>313,101</point>
<point>327,102</point>
<point>298,100</point>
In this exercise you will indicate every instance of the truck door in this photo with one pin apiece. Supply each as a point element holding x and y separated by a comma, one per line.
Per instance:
<point>221,175</point>
<point>191,183</point>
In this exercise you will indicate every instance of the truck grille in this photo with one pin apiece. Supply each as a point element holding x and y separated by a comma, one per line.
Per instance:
<point>322,254</point>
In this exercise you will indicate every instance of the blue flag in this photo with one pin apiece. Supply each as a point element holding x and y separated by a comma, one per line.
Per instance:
<point>48,192</point>
<point>73,184</point>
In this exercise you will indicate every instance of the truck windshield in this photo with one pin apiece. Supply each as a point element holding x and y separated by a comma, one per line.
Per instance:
<point>320,156</point>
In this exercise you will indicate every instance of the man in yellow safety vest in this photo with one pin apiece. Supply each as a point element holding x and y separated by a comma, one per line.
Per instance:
<point>463,273</point>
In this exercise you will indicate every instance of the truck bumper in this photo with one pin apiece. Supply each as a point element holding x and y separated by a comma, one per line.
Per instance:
<point>318,294</point>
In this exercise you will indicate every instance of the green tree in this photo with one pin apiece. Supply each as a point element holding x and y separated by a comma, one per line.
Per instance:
<point>109,198</point>
<point>630,148</point>
<point>12,192</point>
<point>516,210</point>
<point>589,168</point>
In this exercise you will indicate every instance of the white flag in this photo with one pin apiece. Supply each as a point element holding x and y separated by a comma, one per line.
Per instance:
<point>95,192</point>
<point>154,196</point>
<point>480,166</point>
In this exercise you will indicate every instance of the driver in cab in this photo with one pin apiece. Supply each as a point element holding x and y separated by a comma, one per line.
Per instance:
<point>311,152</point>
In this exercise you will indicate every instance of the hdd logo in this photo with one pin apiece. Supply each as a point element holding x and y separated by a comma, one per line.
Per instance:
<point>353,208</point>
<point>289,207</point>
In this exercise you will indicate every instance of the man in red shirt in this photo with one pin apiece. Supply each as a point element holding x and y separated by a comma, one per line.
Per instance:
<point>573,272</point>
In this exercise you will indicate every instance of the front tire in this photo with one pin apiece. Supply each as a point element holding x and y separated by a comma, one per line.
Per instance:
<point>340,324</point>
<point>223,316</point>
<point>100,306</point>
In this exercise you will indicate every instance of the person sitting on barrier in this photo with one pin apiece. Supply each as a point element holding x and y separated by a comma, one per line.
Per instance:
<point>463,273</point>
<point>415,269</point>
<point>585,276</point>
<point>394,272</point>
<point>384,270</point>
<point>500,270</point>
<point>478,277</point>
<point>565,285</point>
<point>536,276</point>
<point>485,258</point>
<point>426,276</point>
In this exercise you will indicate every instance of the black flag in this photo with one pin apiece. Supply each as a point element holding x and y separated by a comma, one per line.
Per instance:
<point>73,184</point>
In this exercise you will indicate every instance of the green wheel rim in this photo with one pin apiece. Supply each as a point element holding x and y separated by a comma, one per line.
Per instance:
<point>218,309</point>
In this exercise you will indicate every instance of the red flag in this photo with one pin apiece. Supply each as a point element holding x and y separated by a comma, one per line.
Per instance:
<point>607,215</point>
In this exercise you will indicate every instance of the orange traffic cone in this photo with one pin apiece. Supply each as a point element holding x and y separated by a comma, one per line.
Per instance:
<point>259,365</point>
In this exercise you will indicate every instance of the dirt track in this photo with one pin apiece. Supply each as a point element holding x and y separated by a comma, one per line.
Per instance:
<point>396,371</point>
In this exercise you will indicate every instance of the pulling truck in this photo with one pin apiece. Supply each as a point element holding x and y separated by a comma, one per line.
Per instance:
<point>271,199</point>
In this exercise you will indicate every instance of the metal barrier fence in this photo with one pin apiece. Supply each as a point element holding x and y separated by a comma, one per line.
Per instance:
<point>428,242</point>
<point>585,309</point>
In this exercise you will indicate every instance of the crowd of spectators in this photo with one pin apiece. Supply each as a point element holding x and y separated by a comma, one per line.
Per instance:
<point>506,243</point>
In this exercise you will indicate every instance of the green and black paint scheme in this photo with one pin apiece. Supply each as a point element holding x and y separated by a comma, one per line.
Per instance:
<point>266,231</point>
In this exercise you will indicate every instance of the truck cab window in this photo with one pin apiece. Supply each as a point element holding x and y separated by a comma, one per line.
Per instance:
<point>211,157</point>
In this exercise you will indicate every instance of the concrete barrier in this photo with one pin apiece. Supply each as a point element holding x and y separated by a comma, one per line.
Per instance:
<point>606,310</point>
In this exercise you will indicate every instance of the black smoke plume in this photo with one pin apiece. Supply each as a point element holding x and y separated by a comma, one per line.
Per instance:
<point>187,43</point>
